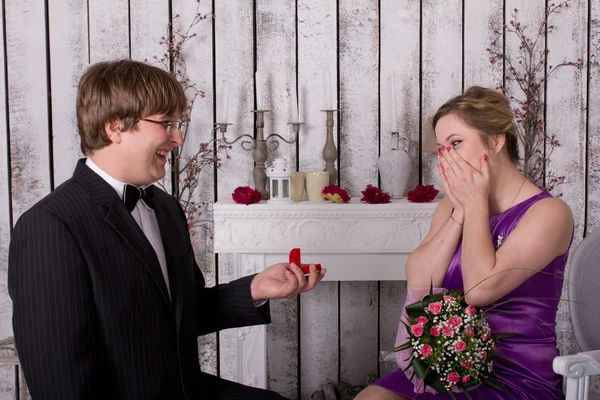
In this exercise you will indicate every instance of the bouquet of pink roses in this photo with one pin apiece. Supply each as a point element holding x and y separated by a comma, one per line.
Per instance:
<point>452,348</point>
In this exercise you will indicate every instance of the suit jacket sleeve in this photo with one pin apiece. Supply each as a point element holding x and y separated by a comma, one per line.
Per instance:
<point>228,306</point>
<point>53,317</point>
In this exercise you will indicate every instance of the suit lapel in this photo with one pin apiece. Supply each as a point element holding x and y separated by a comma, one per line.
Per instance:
<point>122,222</point>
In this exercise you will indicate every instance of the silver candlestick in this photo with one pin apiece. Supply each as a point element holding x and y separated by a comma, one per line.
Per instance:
<point>258,146</point>
<point>329,150</point>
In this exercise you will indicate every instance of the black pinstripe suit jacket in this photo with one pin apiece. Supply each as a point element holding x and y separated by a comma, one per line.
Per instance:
<point>92,316</point>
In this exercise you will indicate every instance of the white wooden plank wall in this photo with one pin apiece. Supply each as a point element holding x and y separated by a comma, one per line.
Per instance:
<point>434,49</point>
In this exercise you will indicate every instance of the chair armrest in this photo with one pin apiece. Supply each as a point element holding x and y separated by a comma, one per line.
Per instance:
<point>578,365</point>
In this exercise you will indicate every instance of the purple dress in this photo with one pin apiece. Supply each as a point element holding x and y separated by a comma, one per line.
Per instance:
<point>534,347</point>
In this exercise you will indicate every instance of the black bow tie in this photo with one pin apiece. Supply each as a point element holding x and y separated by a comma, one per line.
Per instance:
<point>131,195</point>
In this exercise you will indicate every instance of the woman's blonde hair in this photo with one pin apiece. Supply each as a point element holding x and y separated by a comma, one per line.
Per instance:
<point>486,110</point>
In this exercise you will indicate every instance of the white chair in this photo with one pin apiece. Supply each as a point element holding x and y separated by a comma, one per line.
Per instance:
<point>584,322</point>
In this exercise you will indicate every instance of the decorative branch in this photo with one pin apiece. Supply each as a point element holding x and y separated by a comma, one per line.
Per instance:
<point>527,71</point>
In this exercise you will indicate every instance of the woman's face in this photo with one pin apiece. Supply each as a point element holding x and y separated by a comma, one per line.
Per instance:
<point>452,131</point>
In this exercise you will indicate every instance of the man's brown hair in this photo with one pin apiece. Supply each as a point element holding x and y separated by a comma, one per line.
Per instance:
<point>123,90</point>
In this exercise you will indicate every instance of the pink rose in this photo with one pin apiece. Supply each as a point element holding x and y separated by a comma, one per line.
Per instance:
<point>484,354</point>
<point>466,379</point>
<point>417,330</point>
<point>470,310</point>
<point>426,350</point>
<point>469,331</point>
<point>447,330</point>
<point>453,377</point>
<point>460,346</point>
<point>449,299</point>
<point>422,320</point>
<point>435,308</point>
<point>465,364</point>
<point>486,335</point>
<point>434,331</point>
<point>455,321</point>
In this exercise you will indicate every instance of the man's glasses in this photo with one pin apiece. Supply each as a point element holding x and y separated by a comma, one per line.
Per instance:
<point>172,127</point>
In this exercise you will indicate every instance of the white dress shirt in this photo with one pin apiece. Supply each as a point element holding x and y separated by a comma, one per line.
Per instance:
<point>143,215</point>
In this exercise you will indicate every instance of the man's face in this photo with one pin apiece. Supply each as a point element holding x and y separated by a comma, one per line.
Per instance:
<point>144,149</point>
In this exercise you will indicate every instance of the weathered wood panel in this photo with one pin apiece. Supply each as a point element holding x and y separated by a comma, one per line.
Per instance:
<point>319,338</point>
<point>276,60</point>
<point>392,297</point>
<point>199,69</point>
<point>359,127</point>
<point>68,30</point>
<point>149,19</point>
<point>6,374</point>
<point>109,30</point>
<point>480,20</point>
<point>234,65</point>
<point>403,63</point>
<point>358,331</point>
<point>28,107</point>
<point>317,54</point>
<point>593,149</point>
<point>442,66</point>
<point>359,103</point>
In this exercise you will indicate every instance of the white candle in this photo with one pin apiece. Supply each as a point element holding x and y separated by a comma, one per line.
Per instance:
<point>333,97</point>
<point>394,106</point>
<point>327,88</point>
<point>224,107</point>
<point>294,103</point>
<point>258,88</point>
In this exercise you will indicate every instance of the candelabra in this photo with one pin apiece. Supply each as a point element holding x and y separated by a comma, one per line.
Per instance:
<point>329,150</point>
<point>259,148</point>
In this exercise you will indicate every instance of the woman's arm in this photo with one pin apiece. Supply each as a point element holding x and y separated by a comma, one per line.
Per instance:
<point>430,260</point>
<point>542,234</point>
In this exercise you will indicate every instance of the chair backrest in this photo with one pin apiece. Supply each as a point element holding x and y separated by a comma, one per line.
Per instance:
<point>584,293</point>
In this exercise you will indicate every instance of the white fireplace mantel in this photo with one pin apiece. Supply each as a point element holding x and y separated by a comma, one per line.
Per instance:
<point>354,241</point>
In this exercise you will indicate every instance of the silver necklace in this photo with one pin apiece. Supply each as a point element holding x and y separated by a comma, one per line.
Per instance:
<point>516,195</point>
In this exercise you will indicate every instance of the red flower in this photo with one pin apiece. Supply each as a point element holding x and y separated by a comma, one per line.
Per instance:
<point>455,321</point>
<point>466,379</point>
<point>460,346</point>
<point>335,194</point>
<point>435,308</point>
<point>453,377</point>
<point>434,331</point>
<point>417,330</point>
<point>470,310</point>
<point>374,195</point>
<point>422,194</point>
<point>426,350</point>
<point>245,195</point>
<point>422,320</point>
<point>465,364</point>
<point>469,331</point>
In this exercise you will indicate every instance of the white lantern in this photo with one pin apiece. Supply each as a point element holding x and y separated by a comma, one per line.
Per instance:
<point>280,182</point>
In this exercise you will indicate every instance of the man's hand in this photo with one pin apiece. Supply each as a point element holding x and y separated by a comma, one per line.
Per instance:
<point>284,281</point>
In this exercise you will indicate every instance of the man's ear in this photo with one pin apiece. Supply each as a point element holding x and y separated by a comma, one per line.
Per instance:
<point>496,142</point>
<point>113,130</point>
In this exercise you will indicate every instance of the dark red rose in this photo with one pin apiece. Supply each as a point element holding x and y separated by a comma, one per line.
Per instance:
<point>374,195</point>
<point>422,194</point>
<point>335,194</point>
<point>246,195</point>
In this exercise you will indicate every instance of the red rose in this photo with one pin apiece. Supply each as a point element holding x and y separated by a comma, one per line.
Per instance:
<point>435,308</point>
<point>455,321</point>
<point>374,195</point>
<point>460,346</point>
<point>246,195</point>
<point>435,331</point>
<point>335,194</point>
<point>447,330</point>
<point>422,194</point>
<point>417,330</point>
<point>470,310</point>
<point>426,350</point>
<point>465,364</point>
<point>470,332</point>
<point>483,354</point>
<point>453,377</point>
<point>466,379</point>
<point>422,320</point>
